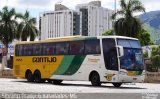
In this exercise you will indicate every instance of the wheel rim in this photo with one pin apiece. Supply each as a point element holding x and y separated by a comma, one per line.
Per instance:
<point>94,79</point>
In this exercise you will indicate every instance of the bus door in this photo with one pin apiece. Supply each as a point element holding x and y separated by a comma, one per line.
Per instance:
<point>110,54</point>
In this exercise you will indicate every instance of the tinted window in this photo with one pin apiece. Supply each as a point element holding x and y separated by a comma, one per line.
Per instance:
<point>135,44</point>
<point>123,43</point>
<point>29,50</point>
<point>110,54</point>
<point>25,48</point>
<point>129,43</point>
<point>76,47</point>
<point>62,48</point>
<point>19,50</point>
<point>37,49</point>
<point>49,48</point>
<point>92,47</point>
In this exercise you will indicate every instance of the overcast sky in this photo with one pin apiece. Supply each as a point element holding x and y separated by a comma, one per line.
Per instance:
<point>37,6</point>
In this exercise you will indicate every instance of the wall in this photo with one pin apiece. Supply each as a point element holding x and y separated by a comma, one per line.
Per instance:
<point>152,77</point>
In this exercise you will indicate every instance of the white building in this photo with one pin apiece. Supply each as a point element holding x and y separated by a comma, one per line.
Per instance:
<point>89,20</point>
<point>61,22</point>
<point>95,19</point>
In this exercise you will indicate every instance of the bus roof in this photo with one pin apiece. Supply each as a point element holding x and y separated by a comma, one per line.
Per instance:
<point>72,38</point>
<point>115,36</point>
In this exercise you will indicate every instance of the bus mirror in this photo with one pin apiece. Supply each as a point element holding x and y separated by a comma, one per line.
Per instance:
<point>121,51</point>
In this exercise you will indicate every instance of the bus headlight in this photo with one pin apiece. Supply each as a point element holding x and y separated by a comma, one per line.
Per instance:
<point>123,73</point>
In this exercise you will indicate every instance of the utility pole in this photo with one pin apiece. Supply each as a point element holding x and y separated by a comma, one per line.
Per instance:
<point>115,10</point>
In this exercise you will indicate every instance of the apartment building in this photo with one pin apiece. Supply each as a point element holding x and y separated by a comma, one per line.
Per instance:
<point>89,19</point>
<point>58,23</point>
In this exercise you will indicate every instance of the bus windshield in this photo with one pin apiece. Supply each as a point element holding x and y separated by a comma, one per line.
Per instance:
<point>132,59</point>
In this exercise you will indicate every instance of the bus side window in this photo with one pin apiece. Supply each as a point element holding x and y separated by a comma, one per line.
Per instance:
<point>17,50</point>
<point>37,49</point>
<point>20,50</point>
<point>76,47</point>
<point>29,50</point>
<point>62,48</point>
<point>24,50</point>
<point>92,47</point>
<point>49,48</point>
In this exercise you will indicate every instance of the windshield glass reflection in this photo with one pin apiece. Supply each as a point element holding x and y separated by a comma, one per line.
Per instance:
<point>132,59</point>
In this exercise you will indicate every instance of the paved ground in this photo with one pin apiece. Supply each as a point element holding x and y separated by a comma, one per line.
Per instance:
<point>79,89</point>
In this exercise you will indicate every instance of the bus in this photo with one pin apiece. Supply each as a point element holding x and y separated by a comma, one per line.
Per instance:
<point>99,59</point>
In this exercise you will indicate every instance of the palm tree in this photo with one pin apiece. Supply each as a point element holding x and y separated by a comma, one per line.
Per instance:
<point>127,24</point>
<point>8,25</point>
<point>27,28</point>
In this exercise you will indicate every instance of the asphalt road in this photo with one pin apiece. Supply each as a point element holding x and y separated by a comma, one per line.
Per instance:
<point>20,88</point>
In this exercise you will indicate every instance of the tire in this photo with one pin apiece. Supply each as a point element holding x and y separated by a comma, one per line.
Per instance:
<point>49,80</point>
<point>95,79</point>
<point>37,77</point>
<point>29,76</point>
<point>57,82</point>
<point>117,84</point>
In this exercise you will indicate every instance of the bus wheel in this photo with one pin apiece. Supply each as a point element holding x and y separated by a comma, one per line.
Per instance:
<point>37,76</point>
<point>117,84</point>
<point>95,79</point>
<point>29,76</point>
<point>57,82</point>
<point>49,80</point>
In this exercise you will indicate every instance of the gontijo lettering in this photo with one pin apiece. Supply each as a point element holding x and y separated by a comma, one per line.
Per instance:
<point>44,59</point>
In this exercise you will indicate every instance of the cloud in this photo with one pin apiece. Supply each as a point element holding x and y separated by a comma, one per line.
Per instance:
<point>151,5</point>
<point>47,5</point>
<point>35,2</point>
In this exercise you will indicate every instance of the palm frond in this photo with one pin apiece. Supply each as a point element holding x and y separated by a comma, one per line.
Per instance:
<point>138,9</point>
<point>123,4</point>
<point>33,21</point>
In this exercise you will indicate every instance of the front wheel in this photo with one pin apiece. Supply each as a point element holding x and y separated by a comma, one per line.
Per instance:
<point>117,84</point>
<point>95,79</point>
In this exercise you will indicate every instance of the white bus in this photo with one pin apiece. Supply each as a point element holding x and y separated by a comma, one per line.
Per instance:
<point>101,59</point>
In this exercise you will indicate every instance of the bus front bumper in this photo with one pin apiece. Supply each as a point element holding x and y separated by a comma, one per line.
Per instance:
<point>135,79</point>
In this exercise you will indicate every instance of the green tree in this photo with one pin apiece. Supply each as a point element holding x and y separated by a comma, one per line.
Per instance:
<point>27,28</point>
<point>127,24</point>
<point>155,58</point>
<point>109,32</point>
<point>144,37</point>
<point>145,55</point>
<point>155,62</point>
<point>8,25</point>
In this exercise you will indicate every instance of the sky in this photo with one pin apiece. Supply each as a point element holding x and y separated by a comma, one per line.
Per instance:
<point>36,7</point>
